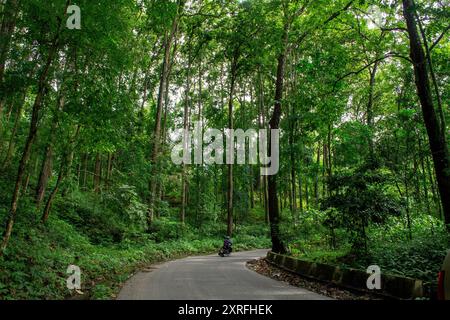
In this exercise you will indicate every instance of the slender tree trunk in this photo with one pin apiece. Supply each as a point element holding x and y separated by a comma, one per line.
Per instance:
<point>406,183</point>
<point>167,96</point>
<point>417,195</point>
<point>300,192</point>
<point>52,195</point>
<point>424,174</point>
<point>433,76</point>
<point>230,151</point>
<point>186,115</point>
<point>97,172</point>
<point>66,163</point>
<point>307,191</point>
<point>274,214</point>
<point>109,169</point>
<point>159,110</point>
<point>252,195</point>
<point>437,140</point>
<point>369,112</point>
<point>11,144</point>
<point>30,172</point>
<point>280,205</point>
<point>47,163</point>
<point>293,191</point>
<point>324,167</point>
<point>329,167</point>
<point>42,83</point>
<point>262,125</point>
<point>199,169</point>
<point>10,109</point>
<point>266,200</point>
<point>316,178</point>
<point>434,188</point>
<point>45,174</point>
<point>408,215</point>
<point>85,171</point>
<point>6,31</point>
<point>1,127</point>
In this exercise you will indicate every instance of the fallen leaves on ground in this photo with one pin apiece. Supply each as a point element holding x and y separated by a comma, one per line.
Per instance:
<point>262,266</point>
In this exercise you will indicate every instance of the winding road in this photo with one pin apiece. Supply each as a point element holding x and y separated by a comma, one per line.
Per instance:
<point>210,278</point>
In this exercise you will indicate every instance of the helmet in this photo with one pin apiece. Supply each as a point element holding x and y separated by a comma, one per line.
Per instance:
<point>227,237</point>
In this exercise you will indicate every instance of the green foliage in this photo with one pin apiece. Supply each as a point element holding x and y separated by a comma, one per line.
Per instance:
<point>419,258</point>
<point>389,247</point>
<point>360,197</point>
<point>356,181</point>
<point>93,219</point>
<point>166,229</point>
<point>34,266</point>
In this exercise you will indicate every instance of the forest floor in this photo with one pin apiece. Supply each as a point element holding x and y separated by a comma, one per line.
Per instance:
<point>262,266</point>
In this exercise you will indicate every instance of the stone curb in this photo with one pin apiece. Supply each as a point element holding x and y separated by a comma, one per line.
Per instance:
<point>391,286</point>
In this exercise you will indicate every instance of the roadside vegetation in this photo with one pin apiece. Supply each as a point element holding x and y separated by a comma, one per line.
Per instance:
<point>358,89</point>
<point>99,239</point>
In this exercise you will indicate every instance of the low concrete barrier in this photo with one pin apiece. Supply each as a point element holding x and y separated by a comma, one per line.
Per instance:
<point>391,286</point>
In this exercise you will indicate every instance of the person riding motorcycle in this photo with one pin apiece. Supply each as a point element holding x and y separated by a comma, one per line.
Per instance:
<point>227,247</point>
<point>227,244</point>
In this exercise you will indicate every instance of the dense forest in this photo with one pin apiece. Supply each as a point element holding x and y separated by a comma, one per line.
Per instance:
<point>91,101</point>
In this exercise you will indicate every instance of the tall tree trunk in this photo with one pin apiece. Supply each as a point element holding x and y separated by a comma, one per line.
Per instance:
<point>1,127</point>
<point>186,114</point>
<point>47,163</point>
<point>424,174</point>
<point>52,195</point>
<point>433,76</point>
<point>42,83</point>
<point>307,191</point>
<point>324,167</point>
<point>369,112</point>
<point>300,192</point>
<point>252,185</point>
<point>109,168</point>
<point>434,188</point>
<point>6,31</point>
<point>230,151</point>
<point>293,190</point>
<point>167,97</point>
<point>329,164</point>
<point>30,172</point>
<point>406,183</point>
<point>97,172</point>
<point>66,163</point>
<point>85,171</point>
<point>44,174</point>
<point>316,178</point>
<point>11,144</point>
<point>10,109</point>
<point>417,194</point>
<point>274,214</point>
<point>262,125</point>
<point>437,140</point>
<point>159,109</point>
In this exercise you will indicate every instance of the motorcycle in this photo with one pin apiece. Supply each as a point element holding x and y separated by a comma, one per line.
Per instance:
<point>225,252</point>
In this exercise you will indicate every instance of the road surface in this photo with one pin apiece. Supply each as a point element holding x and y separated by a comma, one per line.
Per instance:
<point>210,278</point>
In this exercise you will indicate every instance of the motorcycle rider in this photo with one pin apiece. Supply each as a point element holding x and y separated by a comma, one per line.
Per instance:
<point>228,244</point>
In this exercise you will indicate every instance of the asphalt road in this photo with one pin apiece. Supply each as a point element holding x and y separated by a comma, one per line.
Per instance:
<point>210,278</point>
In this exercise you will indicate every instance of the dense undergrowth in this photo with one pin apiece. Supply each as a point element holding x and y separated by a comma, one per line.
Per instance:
<point>105,235</point>
<point>104,243</point>
<point>416,253</point>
